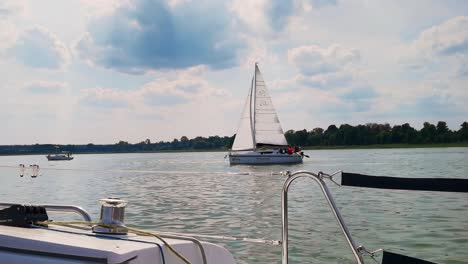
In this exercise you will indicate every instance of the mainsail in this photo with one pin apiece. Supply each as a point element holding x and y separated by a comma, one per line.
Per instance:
<point>259,124</point>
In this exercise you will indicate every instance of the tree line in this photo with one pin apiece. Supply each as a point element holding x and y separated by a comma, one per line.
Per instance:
<point>372,133</point>
<point>344,135</point>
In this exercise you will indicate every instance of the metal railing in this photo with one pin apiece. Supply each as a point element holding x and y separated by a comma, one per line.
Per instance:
<point>318,178</point>
<point>60,208</point>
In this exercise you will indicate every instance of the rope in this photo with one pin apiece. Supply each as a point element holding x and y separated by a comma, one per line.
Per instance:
<point>163,259</point>
<point>133,230</point>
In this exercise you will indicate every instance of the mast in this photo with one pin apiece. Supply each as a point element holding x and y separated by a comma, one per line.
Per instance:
<point>253,99</point>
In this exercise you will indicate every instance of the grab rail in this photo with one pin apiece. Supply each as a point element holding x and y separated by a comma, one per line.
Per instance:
<point>60,208</point>
<point>318,178</point>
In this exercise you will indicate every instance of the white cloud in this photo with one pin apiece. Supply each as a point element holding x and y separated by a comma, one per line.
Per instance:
<point>435,83</point>
<point>104,98</point>
<point>9,11</point>
<point>463,70</point>
<point>258,51</point>
<point>10,8</point>
<point>148,35</point>
<point>184,105</point>
<point>8,34</point>
<point>187,88</point>
<point>448,38</point>
<point>45,87</point>
<point>340,89</point>
<point>39,48</point>
<point>283,85</point>
<point>272,17</point>
<point>252,14</point>
<point>312,60</point>
<point>441,48</point>
<point>323,68</point>
<point>321,3</point>
<point>102,7</point>
<point>326,80</point>
<point>192,72</point>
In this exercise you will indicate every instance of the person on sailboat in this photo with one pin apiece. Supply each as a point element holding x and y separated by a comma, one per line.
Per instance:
<point>290,150</point>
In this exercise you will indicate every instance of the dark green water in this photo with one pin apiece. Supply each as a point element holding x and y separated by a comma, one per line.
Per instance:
<point>201,193</point>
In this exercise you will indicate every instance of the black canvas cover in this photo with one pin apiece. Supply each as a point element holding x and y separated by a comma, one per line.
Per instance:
<point>414,184</point>
<point>394,258</point>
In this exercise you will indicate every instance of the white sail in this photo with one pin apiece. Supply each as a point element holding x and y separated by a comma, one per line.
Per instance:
<point>267,127</point>
<point>244,136</point>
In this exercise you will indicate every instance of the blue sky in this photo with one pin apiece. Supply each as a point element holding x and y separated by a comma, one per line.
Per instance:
<point>82,71</point>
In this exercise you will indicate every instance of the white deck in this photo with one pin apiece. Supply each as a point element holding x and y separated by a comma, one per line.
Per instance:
<point>33,245</point>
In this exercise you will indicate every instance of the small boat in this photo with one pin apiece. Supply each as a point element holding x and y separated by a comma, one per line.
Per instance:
<point>65,155</point>
<point>260,138</point>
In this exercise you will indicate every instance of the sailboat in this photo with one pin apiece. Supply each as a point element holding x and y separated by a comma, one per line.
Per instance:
<point>260,138</point>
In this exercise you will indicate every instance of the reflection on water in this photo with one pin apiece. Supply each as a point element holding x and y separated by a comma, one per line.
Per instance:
<point>220,199</point>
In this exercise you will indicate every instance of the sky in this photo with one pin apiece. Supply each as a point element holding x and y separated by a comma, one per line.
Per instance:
<point>100,71</point>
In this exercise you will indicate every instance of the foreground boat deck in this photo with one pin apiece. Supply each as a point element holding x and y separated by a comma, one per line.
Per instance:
<point>72,245</point>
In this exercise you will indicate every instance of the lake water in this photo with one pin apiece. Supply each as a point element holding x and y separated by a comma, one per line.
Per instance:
<point>201,193</point>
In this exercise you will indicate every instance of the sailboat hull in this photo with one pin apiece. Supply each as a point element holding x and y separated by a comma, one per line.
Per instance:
<point>254,158</point>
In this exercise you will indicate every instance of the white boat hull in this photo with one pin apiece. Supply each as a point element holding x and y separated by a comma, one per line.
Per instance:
<point>252,157</point>
<point>54,157</point>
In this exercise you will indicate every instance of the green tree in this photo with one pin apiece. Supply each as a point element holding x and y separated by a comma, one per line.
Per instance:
<point>346,135</point>
<point>301,137</point>
<point>463,132</point>
<point>409,134</point>
<point>442,132</point>
<point>291,137</point>
<point>330,135</point>
<point>428,133</point>
<point>314,137</point>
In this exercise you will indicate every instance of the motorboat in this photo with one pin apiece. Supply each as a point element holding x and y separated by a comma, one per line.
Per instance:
<point>64,155</point>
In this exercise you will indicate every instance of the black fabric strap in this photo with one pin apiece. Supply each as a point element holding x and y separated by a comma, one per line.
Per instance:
<point>393,258</point>
<point>416,184</point>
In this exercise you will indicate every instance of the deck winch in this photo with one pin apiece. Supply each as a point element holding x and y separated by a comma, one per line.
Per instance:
<point>112,214</point>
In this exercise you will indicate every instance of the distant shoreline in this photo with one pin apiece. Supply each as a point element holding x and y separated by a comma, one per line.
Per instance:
<point>368,136</point>
<point>377,146</point>
<point>392,146</point>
